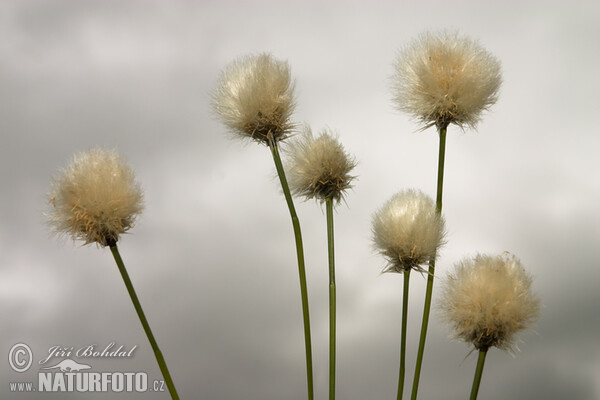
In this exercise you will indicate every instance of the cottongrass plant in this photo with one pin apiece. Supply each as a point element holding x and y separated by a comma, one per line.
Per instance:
<point>486,301</point>
<point>443,78</point>
<point>96,199</point>
<point>255,100</point>
<point>408,232</point>
<point>320,169</point>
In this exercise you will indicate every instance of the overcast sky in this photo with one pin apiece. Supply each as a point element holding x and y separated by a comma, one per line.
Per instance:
<point>213,258</point>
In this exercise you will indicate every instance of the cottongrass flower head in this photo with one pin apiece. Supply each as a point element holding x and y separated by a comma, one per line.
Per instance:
<point>95,199</point>
<point>255,98</point>
<point>444,78</point>
<point>320,167</point>
<point>488,299</point>
<point>408,231</point>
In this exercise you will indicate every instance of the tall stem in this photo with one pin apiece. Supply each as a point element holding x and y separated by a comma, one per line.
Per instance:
<point>403,334</point>
<point>332,296</point>
<point>301,269</point>
<point>430,275</point>
<point>138,308</point>
<point>478,373</point>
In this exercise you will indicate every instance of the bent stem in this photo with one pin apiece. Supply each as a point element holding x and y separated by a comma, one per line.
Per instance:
<point>478,373</point>
<point>138,308</point>
<point>301,269</point>
<point>332,318</point>
<point>403,334</point>
<point>430,275</point>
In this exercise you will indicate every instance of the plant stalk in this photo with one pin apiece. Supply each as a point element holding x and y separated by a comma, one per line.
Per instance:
<point>301,268</point>
<point>478,373</point>
<point>430,275</point>
<point>403,334</point>
<point>140,312</point>
<point>332,298</point>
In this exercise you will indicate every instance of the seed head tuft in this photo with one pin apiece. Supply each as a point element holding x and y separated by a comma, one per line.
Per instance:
<point>255,98</point>
<point>407,230</point>
<point>487,300</point>
<point>95,199</point>
<point>444,78</point>
<point>319,167</point>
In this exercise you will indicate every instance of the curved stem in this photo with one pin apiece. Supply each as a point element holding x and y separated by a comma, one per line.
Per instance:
<point>332,298</point>
<point>478,373</point>
<point>403,334</point>
<point>138,308</point>
<point>440,177</point>
<point>301,268</point>
<point>430,275</point>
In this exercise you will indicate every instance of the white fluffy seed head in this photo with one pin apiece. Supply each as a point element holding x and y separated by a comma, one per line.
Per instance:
<point>444,78</point>
<point>95,199</point>
<point>319,167</point>
<point>487,300</point>
<point>255,98</point>
<point>407,230</point>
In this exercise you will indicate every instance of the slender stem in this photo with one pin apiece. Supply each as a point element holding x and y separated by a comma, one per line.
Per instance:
<point>430,275</point>
<point>440,177</point>
<point>403,334</point>
<point>301,269</point>
<point>478,373</point>
<point>332,318</point>
<point>138,308</point>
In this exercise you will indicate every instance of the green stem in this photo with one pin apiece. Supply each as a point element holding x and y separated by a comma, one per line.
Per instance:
<point>430,275</point>
<point>138,308</point>
<point>403,334</point>
<point>478,373</point>
<point>301,269</point>
<point>332,318</point>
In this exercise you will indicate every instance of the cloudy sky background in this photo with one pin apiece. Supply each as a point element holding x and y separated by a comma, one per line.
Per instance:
<point>212,257</point>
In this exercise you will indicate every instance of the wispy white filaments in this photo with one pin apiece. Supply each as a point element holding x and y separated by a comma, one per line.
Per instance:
<point>408,231</point>
<point>95,199</point>
<point>443,78</point>
<point>320,167</point>
<point>255,98</point>
<point>487,300</point>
